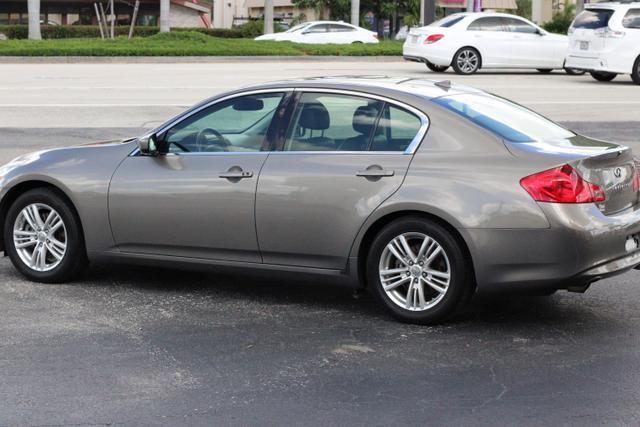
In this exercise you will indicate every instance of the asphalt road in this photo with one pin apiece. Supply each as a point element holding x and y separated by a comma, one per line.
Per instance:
<point>142,346</point>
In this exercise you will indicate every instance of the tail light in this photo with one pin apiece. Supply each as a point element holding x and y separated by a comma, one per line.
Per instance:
<point>433,38</point>
<point>562,185</point>
<point>609,33</point>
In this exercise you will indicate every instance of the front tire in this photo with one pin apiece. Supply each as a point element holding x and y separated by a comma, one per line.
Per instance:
<point>635,74</point>
<point>602,76</point>
<point>418,271</point>
<point>43,237</point>
<point>466,61</point>
<point>437,68</point>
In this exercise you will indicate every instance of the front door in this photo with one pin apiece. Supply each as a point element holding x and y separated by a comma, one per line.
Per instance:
<point>342,156</point>
<point>197,199</point>
<point>531,47</point>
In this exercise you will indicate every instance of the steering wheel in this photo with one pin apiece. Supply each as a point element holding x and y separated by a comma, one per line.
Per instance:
<point>220,144</point>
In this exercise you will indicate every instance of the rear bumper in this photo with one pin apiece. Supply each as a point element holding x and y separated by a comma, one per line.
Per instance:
<point>427,53</point>
<point>582,246</point>
<point>604,62</point>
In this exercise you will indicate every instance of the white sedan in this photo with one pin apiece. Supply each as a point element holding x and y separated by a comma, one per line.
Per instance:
<point>470,41</point>
<point>324,32</point>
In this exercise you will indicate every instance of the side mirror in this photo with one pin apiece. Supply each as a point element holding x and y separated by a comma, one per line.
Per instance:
<point>148,145</point>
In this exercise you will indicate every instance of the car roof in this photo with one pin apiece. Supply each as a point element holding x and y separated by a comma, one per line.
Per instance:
<point>424,88</point>
<point>485,14</point>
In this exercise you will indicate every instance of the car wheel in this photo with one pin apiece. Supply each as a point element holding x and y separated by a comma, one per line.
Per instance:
<point>418,271</point>
<point>466,61</point>
<point>574,72</point>
<point>437,68</point>
<point>43,237</point>
<point>635,74</point>
<point>603,76</point>
<point>544,70</point>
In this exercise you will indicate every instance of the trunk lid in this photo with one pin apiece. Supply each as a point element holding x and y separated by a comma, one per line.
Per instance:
<point>611,166</point>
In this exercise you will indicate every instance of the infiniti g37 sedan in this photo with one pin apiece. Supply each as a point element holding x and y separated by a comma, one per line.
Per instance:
<point>423,192</point>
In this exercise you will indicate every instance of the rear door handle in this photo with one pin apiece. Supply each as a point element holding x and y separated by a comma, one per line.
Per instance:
<point>235,175</point>
<point>375,173</point>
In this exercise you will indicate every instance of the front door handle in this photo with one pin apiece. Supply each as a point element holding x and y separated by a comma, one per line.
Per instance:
<point>375,173</point>
<point>234,173</point>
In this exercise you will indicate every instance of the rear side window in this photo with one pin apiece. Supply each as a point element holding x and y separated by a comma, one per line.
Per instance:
<point>505,119</point>
<point>396,129</point>
<point>632,19</point>
<point>592,19</point>
<point>488,24</point>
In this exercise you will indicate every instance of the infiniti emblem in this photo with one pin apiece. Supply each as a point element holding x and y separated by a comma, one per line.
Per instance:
<point>617,172</point>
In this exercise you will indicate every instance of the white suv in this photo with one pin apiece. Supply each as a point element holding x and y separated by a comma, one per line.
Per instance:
<point>605,40</point>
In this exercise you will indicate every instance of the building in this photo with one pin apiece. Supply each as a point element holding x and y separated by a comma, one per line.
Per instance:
<point>229,13</point>
<point>184,13</point>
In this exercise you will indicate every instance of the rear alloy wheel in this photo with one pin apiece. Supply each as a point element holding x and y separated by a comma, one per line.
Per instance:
<point>437,68</point>
<point>635,74</point>
<point>466,61</point>
<point>418,271</point>
<point>602,76</point>
<point>43,237</point>
<point>544,70</point>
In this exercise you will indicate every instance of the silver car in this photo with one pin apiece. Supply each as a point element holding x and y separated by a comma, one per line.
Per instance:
<point>421,191</point>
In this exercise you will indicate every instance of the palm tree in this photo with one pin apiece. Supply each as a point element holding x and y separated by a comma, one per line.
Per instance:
<point>33,7</point>
<point>165,25</point>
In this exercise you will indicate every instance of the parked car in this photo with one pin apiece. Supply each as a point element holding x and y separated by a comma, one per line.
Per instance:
<point>324,32</point>
<point>605,41</point>
<point>421,191</point>
<point>471,41</point>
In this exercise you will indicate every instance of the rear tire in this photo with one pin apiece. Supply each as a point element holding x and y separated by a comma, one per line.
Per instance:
<point>431,284</point>
<point>544,70</point>
<point>466,61</point>
<point>635,74</point>
<point>602,76</point>
<point>437,68</point>
<point>43,237</point>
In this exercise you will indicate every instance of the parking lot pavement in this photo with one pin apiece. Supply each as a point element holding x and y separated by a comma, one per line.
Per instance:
<point>134,345</point>
<point>143,95</point>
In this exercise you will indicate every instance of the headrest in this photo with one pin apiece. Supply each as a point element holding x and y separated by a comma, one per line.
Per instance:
<point>314,116</point>
<point>364,119</point>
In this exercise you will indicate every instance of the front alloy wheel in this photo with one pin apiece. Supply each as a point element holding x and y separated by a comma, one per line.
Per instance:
<point>419,271</point>
<point>40,237</point>
<point>635,74</point>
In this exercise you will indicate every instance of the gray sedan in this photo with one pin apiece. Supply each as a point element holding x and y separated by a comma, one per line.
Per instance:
<point>421,191</point>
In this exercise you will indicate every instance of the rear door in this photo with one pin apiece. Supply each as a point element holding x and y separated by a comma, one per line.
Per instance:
<point>342,155</point>
<point>492,38</point>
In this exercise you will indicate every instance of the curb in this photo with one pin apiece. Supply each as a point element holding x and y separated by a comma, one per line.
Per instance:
<point>187,59</point>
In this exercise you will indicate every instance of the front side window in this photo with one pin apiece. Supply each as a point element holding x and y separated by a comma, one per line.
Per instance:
<point>335,122</point>
<point>236,125</point>
<point>592,19</point>
<point>493,23</point>
<point>632,19</point>
<point>518,26</point>
<point>505,119</point>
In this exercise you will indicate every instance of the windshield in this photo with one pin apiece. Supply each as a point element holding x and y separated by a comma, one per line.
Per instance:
<point>592,19</point>
<point>297,28</point>
<point>507,120</point>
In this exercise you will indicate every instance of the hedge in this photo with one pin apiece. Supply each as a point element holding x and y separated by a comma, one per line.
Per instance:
<point>13,32</point>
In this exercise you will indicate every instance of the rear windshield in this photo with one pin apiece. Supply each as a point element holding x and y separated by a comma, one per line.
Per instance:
<point>592,19</point>
<point>449,21</point>
<point>507,120</point>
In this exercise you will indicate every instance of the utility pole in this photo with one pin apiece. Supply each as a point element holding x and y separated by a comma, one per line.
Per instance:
<point>165,23</point>
<point>268,16</point>
<point>579,6</point>
<point>33,9</point>
<point>355,12</point>
<point>427,11</point>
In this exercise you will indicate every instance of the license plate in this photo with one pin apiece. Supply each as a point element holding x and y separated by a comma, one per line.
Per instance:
<point>584,45</point>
